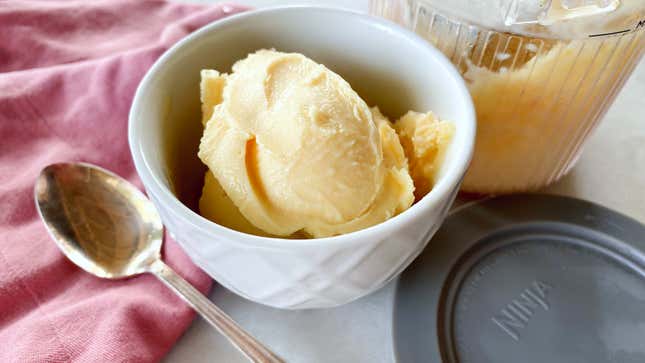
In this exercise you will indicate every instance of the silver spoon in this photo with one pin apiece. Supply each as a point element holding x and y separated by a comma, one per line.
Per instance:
<point>110,229</point>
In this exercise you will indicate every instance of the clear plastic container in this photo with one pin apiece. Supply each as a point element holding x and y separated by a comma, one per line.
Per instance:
<point>542,74</point>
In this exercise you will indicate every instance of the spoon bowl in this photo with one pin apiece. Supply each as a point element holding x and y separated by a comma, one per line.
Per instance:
<point>108,227</point>
<point>104,225</point>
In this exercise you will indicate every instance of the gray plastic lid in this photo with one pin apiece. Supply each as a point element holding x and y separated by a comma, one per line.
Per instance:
<point>526,278</point>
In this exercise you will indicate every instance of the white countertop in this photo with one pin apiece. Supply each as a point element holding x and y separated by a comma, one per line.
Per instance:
<point>611,172</point>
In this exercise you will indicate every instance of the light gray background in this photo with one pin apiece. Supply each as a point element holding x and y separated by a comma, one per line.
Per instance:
<point>611,172</point>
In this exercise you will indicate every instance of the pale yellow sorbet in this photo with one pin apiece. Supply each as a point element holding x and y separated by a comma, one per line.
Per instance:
<point>425,139</point>
<point>296,149</point>
<point>532,118</point>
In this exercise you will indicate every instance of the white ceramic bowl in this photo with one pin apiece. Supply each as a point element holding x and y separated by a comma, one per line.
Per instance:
<point>386,64</point>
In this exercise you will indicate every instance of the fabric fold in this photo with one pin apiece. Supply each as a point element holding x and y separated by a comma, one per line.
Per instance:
<point>68,73</point>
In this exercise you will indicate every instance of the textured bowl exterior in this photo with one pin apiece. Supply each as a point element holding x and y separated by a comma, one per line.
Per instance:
<point>312,276</point>
<point>314,273</point>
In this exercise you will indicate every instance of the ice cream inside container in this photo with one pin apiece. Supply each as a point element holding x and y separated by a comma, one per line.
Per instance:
<point>542,74</point>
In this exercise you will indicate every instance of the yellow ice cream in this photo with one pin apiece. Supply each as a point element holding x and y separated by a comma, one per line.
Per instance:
<point>533,117</point>
<point>291,147</point>
<point>539,90</point>
<point>425,139</point>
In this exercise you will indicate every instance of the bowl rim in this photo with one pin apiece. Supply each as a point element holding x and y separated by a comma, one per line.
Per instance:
<point>447,182</point>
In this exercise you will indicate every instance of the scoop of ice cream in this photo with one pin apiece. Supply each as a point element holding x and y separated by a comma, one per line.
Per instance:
<point>294,148</point>
<point>215,205</point>
<point>425,140</point>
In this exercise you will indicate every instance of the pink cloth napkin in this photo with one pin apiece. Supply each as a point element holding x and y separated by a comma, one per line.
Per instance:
<point>68,72</point>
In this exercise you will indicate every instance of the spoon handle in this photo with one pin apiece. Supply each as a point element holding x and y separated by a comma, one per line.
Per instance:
<point>251,348</point>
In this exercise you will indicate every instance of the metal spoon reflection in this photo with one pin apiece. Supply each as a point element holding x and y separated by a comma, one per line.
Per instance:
<point>108,228</point>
